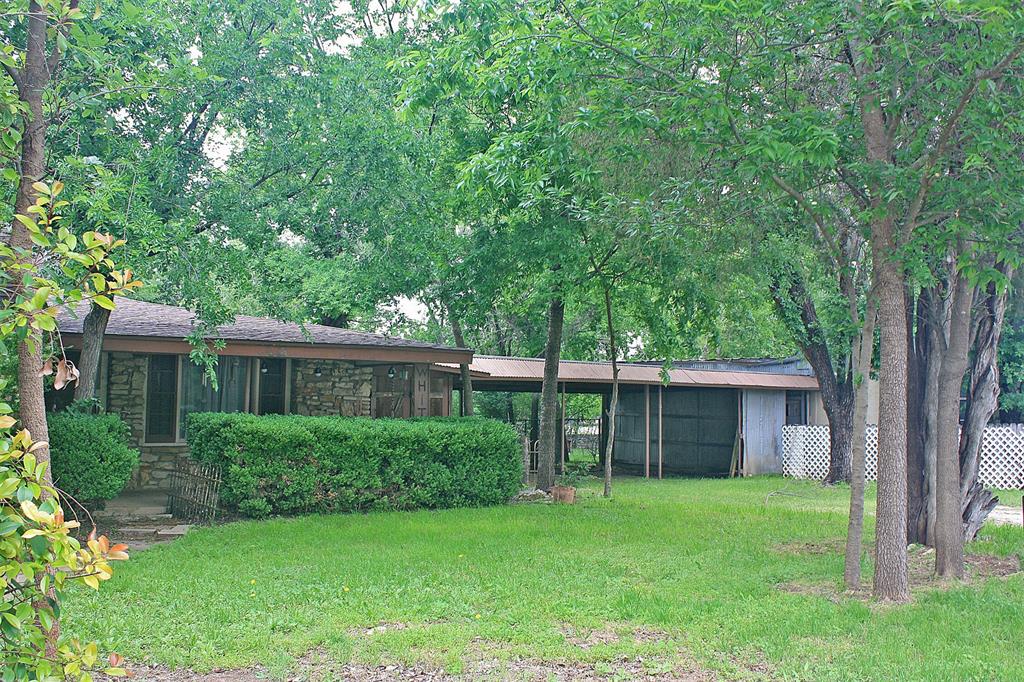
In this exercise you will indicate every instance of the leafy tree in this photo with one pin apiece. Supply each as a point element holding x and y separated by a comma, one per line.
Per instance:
<point>824,103</point>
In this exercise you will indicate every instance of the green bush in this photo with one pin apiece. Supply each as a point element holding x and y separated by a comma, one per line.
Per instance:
<point>90,457</point>
<point>292,464</point>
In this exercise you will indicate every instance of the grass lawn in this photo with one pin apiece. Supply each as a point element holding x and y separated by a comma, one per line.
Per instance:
<point>686,568</point>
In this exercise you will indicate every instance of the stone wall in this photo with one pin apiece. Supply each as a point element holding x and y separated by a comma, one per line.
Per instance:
<point>126,395</point>
<point>341,389</point>
<point>126,390</point>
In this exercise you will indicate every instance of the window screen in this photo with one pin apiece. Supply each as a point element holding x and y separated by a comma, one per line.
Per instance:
<point>161,395</point>
<point>272,383</point>
<point>198,394</point>
<point>796,407</point>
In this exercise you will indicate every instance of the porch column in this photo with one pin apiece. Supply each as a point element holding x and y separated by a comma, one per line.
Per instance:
<point>647,430</point>
<point>661,431</point>
<point>420,390</point>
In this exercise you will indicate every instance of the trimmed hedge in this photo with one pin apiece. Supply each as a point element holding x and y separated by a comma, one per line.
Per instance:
<point>89,455</point>
<point>287,464</point>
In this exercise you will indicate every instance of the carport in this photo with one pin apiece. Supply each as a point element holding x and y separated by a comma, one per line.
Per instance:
<point>705,418</point>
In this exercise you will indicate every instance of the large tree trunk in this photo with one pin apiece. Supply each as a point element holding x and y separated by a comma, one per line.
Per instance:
<point>982,401</point>
<point>858,469</point>
<point>949,534</point>
<point>32,79</point>
<point>613,408</point>
<point>840,413</point>
<point>891,580</point>
<point>549,420</point>
<point>467,377</point>
<point>93,328</point>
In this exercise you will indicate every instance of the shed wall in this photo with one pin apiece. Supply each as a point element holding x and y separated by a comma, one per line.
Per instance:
<point>764,413</point>
<point>699,430</point>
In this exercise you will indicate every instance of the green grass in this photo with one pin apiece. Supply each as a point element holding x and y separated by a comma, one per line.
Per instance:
<point>1011,498</point>
<point>699,560</point>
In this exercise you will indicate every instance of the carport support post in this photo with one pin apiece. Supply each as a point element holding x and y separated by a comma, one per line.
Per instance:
<point>661,432</point>
<point>561,432</point>
<point>647,430</point>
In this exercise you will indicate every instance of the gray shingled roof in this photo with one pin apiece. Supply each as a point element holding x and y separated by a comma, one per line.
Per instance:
<point>156,320</point>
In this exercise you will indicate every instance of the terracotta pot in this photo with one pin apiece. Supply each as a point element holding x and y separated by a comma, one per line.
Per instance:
<point>563,493</point>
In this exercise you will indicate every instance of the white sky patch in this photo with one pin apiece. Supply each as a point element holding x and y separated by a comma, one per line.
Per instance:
<point>289,238</point>
<point>413,309</point>
<point>220,145</point>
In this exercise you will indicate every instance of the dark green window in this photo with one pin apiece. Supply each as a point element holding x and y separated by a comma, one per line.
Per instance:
<point>161,398</point>
<point>272,386</point>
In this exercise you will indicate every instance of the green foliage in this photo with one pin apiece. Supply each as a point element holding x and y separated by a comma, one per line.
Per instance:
<point>1011,359</point>
<point>40,559</point>
<point>91,460</point>
<point>295,464</point>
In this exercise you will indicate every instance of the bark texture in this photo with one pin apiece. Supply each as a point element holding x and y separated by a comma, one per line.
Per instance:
<point>93,328</point>
<point>891,580</point>
<point>466,393</point>
<point>858,468</point>
<point>549,420</point>
<point>949,537</point>
<point>916,366</point>
<point>982,401</point>
<point>614,406</point>
<point>836,390</point>
<point>33,79</point>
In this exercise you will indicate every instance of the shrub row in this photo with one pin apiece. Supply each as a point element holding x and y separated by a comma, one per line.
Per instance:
<point>293,464</point>
<point>89,455</point>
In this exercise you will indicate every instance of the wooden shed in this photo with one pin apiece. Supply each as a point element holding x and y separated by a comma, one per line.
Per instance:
<point>709,418</point>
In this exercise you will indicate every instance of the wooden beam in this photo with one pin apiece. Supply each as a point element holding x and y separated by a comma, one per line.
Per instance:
<point>561,432</point>
<point>646,440</point>
<point>661,432</point>
<point>381,354</point>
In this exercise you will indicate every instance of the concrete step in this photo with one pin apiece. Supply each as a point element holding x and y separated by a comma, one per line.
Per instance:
<point>135,533</point>
<point>117,512</point>
<point>174,532</point>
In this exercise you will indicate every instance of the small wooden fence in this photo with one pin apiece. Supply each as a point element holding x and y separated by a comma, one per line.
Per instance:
<point>805,454</point>
<point>195,492</point>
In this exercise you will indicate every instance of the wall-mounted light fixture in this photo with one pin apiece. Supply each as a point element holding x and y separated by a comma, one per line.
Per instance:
<point>317,371</point>
<point>391,372</point>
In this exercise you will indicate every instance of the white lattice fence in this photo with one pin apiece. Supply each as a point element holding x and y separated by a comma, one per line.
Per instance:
<point>805,454</point>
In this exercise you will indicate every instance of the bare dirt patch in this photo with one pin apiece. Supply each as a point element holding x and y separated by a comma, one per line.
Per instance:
<point>587,639</point>
<point>638,669</point>
<point>921,568</point>
<point>816,547</point>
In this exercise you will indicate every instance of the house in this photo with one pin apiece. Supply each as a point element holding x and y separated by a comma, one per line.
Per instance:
<point>708,418</point>
<point>265,367</point>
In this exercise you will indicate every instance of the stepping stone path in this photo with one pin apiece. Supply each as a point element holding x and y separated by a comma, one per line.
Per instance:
<point>1006,516</point>
<point>140,520</point>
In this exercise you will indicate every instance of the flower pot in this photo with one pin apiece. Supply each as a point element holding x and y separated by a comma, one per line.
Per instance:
<point>563,493</point>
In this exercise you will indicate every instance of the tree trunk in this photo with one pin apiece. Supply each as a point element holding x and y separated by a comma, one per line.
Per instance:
<point>549,419</point>
<point>93,328</point>
<point>917,351</point>
<point>858,468</point>
<point>935,329</point>
<point>836,392</point>
<point>982,401</point>
<point>840,413</point>
<point>949,533</point>
<point>467,378</point>
<point>32,80</point>
<point>891,581</point>
<point>614,406</point>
